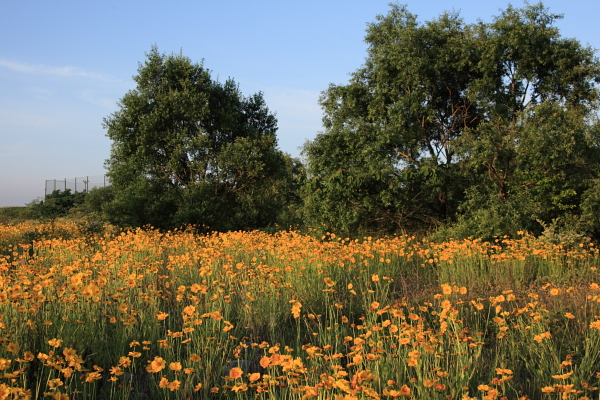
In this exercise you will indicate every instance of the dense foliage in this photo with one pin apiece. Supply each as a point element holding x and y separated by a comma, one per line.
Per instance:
<point>188,149</point>
<point>482,129</point>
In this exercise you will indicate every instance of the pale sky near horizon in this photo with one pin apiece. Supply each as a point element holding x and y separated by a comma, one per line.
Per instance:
<point>65,64</point>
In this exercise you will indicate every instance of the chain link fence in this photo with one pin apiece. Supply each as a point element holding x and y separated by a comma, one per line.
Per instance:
<point>77,184</point>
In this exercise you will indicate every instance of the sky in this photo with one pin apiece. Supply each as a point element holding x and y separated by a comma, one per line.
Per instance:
<point>65,64</point>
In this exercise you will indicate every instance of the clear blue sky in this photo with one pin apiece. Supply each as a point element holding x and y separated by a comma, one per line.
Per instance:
<point>65,64</point>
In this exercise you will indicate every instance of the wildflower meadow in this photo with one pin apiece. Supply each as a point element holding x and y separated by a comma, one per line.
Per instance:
<point>142,314</point>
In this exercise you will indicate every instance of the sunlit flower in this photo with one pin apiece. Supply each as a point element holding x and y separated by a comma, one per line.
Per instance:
<point>162,316</point>
<point>174,385</point>
<point>156,365</point>
<point>235,373</point>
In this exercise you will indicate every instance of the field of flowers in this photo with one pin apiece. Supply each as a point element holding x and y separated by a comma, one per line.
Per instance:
<point>91,313</point>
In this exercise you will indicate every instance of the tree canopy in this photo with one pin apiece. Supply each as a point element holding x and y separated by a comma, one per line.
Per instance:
<point>479,128</point>
<point>191,150</point>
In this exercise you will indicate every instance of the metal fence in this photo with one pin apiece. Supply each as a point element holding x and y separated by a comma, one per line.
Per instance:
<point>77,184</point>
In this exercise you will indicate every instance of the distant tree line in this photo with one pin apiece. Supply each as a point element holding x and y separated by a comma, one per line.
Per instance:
<point>448,128</point>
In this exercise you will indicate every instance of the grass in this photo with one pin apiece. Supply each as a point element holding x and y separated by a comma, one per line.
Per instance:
<point>140,314</point>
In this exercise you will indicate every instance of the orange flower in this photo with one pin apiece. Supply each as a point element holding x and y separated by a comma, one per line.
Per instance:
<point>542,336</point>
<point>4,364</point>
<point>595,324</point>
<point>4,391</point>
<point>156,365</point>
<point>254,377</point>
<point>429,382</point>
<point>502,371</point>
<point>174,385</point>
<point>164,382</point>
<point>264,361</point>
<point>329,282</point>
<point>116,371</point>
<point>189,310</point>
<point>405,391</point>
<point>162,316</point>
<point>13,348</point>
<point>55,342</point>
<point>175,366</point>
<point>446,289</point>
<point>235,373</point>
<point>124,362</point>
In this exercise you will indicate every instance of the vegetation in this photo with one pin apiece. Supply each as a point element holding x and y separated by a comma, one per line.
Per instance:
<point>449,130</point>
<point>190,150</point>
<point>175,315</point>
<point>483,129</point>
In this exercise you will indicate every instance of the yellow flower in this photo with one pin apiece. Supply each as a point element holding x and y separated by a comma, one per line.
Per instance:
<point>446,289</point>
<point>554,292</point>
<point>164,382</point>
<point>4,391</point>
<point>503,371</point>
<point>405,391</point>
<point>542,336</point>
<point>264,361</point>
<point>4,364</point>
<point>175,366</point>
<point>429,382</point>
<point>254,377</point>
<point>235,373</point>
<point>156,365</point>
<point>124,362</point>
<point>563,376</point>
<point>162,316</point>
<point>329,282</point>
<point>414,354</point>
<point>116,371</point>
<point>174,385</point>
<point>55,342</point>
<point>189,310</point>
<point>13,348</point>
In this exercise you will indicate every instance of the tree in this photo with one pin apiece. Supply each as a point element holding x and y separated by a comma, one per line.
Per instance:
<point>187,149</point>
<point>440,112</point>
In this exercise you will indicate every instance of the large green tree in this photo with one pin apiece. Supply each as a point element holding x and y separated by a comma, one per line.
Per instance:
<point>188,149</point>
<point>445,117</point>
